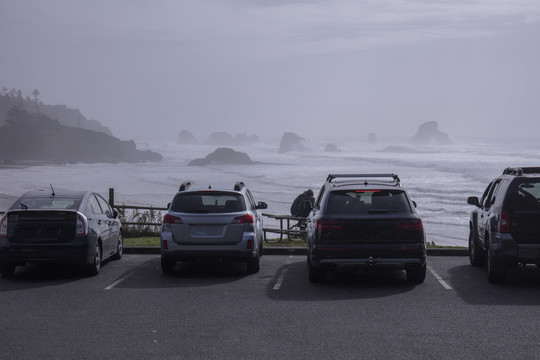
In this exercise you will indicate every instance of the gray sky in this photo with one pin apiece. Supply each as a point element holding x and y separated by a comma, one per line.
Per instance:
<point>148,69</point>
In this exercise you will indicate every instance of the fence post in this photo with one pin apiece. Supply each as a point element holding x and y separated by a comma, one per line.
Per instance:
<point>111,197</point>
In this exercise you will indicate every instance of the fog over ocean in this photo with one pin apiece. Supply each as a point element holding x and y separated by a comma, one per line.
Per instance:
<point>438,178</point>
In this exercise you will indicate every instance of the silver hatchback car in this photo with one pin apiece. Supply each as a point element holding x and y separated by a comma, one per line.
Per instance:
<point>212,224</point>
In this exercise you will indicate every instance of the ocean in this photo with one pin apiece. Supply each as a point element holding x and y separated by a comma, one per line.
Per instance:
<point>438,178</point>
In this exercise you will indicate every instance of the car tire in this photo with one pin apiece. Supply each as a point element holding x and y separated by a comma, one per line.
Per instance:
<point>93,268</point>
<point>119,248</point>
<point>496,273</point>
<point>316,275</point>
<point>167,265</point>
<point>416,274</point>
<point>7,270</point>
<point>477,255</point>
<point>253,265</point>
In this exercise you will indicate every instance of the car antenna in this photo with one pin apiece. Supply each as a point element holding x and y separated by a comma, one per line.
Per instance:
<point>53,194</point>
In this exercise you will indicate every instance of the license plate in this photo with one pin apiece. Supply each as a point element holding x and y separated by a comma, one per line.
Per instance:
<point>206,230</point>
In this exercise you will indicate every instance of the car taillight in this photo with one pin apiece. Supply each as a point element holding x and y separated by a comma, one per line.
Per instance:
<point>411,225</point>
<point>244,219</point>
<point>329,225</point>
<point>3,226</point>
<point>504,222</point>
<point>82,226</point>
<point>168,220</point>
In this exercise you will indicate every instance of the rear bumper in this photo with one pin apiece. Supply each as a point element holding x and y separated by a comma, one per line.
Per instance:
<point>506,249</point>
<point>370,263</point>
<point>394,256</point>
<point>77,251</point>
<point>193,252</point>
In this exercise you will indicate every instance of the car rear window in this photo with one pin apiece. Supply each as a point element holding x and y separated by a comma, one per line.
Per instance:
<point>364,201</point>
<point>208,202</point>
<point>526,195</point>
<point>47,202</point>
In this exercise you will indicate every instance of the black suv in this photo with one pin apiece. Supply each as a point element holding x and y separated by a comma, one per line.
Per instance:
<point>505,225</point>
<point>366,222</point>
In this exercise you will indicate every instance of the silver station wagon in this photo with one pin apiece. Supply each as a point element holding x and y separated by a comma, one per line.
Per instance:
<point>205,224</point>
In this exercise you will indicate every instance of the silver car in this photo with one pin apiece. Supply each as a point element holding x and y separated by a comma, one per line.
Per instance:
<point>212,224</point>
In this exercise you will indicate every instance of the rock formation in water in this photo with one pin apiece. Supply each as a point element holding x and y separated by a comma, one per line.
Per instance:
<point>428,134</point>
<point>331,148</point>
<point>291,142</point>
<point>223,156</point>
<point>186,138</point>
<point>223,138</point>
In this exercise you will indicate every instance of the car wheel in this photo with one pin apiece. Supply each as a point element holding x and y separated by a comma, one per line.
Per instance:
<point>7,270</point>
<point>253,265</point>
<point>316,274</point>
<point>167,265</point>
<point>93,268</point>
<point>495,272</point>
<point>119,247</point>
<point>476,253</point>
<point>416,274</point>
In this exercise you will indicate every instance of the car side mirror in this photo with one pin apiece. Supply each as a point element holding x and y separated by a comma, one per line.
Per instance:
<point>414,203</point>
<point>115,214</point>
<point>473,200</point>
<point>168,206</point>
<point>262,205</point>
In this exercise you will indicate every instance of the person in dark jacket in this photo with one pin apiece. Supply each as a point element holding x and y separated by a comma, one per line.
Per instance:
<point>300,206</point>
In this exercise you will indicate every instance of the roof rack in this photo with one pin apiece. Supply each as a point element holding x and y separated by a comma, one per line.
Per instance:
<point>184,186</point>
<point>362,176</point>
<point>238,186</point>
<point>521,170</point>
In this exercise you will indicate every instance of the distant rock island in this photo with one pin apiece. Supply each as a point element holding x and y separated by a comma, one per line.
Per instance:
<point>223,156</point>
<point>223,138</point>
<point>65,116</point>
<point>331,148</point>
<point>428,134</point>
<point>37,139</point>
<point>290,142</point>
<point>186,138</point>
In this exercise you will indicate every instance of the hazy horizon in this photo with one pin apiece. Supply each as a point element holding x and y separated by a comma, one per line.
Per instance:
<point>148,70</point>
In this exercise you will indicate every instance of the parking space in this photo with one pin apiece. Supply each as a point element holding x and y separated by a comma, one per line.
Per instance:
<point>216,310</point>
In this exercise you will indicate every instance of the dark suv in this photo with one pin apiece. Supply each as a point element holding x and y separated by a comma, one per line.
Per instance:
<point>505,225</point>
<point>366,222</point>
<point>212,224</point>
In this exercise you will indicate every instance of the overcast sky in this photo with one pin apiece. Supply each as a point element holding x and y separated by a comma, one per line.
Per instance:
<point>148,69</point>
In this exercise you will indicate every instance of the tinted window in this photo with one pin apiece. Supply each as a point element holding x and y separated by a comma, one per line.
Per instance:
<point>367,201</point>
<point>488,200</point>
<point>208,202</point>
<point>48,202</point>
<point>104,205</point>
<point>93,205</point>
<point>526,195</point>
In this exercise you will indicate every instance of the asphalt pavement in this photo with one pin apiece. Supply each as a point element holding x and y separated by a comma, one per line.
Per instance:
<point>215,311</point>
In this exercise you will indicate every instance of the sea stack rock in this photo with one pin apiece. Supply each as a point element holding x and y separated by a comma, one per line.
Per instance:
<point>331,148</point>
<point>186,138</point>
<point>428,134</point>
<point>223,156</point>
<point>290,142</point>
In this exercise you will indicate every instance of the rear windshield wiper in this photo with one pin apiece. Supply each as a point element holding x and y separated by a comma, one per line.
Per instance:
<point>196,211</point>
<point>378,211</point>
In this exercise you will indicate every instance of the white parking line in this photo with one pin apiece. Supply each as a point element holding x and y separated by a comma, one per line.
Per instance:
<point>280,279</point>
<point>117,282</point>
<point>277,285</point>
<point>439,279</point>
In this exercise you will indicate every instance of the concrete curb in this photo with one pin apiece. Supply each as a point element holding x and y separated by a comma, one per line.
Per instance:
<point>282,250</point>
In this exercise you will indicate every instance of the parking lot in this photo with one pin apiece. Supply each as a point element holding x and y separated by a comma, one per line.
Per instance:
<point>206,311</point>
